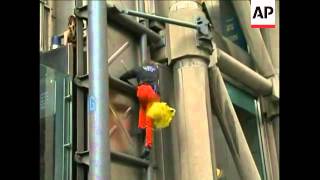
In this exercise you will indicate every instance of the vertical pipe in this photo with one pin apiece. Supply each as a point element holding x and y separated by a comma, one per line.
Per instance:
<point>51,21</point>
<point>79,92</point>
<point>143,38</point>
<point>41,26</point>
<point>98,92</point>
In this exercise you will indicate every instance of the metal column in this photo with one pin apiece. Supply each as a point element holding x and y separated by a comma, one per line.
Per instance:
<point>271,39</point>
<point>193,147</point>
<point>276,134</point>
<point>80,94</point>
<point>98,99</point>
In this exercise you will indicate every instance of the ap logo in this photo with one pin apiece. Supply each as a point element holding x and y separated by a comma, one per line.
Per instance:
<point>263,14</point>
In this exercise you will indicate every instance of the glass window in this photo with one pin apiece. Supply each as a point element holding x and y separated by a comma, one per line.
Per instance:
<point>247,112</point>
<point>55,125</point>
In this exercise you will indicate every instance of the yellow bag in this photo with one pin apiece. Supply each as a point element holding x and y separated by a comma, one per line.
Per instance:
<point>161,114</point>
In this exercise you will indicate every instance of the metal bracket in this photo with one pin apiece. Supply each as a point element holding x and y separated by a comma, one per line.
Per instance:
<point>81,12</point>
<point>68,98</point>
<point>82,157</point>
<point>159,44</point>
<point>81,81</point>
<point>204,35</point>
<point>68,146</point>
<point>270,108</point>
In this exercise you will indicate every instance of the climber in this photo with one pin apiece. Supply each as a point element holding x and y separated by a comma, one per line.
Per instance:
<point>147,92</point>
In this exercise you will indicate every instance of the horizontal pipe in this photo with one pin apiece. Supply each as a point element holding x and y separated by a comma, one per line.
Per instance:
<point>160,19</point>
<point>243,74</point>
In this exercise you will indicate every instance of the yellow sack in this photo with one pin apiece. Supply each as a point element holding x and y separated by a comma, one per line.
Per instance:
<point>161,114</point>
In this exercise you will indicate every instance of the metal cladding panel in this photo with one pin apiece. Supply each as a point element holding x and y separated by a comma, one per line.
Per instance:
<point>123,114</point>
<point>129,54</point>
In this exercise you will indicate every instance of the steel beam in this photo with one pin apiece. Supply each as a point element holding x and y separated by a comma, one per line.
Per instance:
<point>83,158</point>
<point>79,104</point>
<point>115,83</point>
<point>129,159</point>
<point>231,126</point>
<point>98,98</point>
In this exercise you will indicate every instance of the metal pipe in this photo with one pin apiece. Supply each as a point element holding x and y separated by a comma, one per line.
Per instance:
<point>231,127</point>
<point>160,18</point>
<point>244,74</point>
<point>132,25</point>
<point>98,99</point>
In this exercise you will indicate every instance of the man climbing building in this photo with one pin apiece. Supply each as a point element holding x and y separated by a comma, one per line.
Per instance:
<point>147,92</point>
